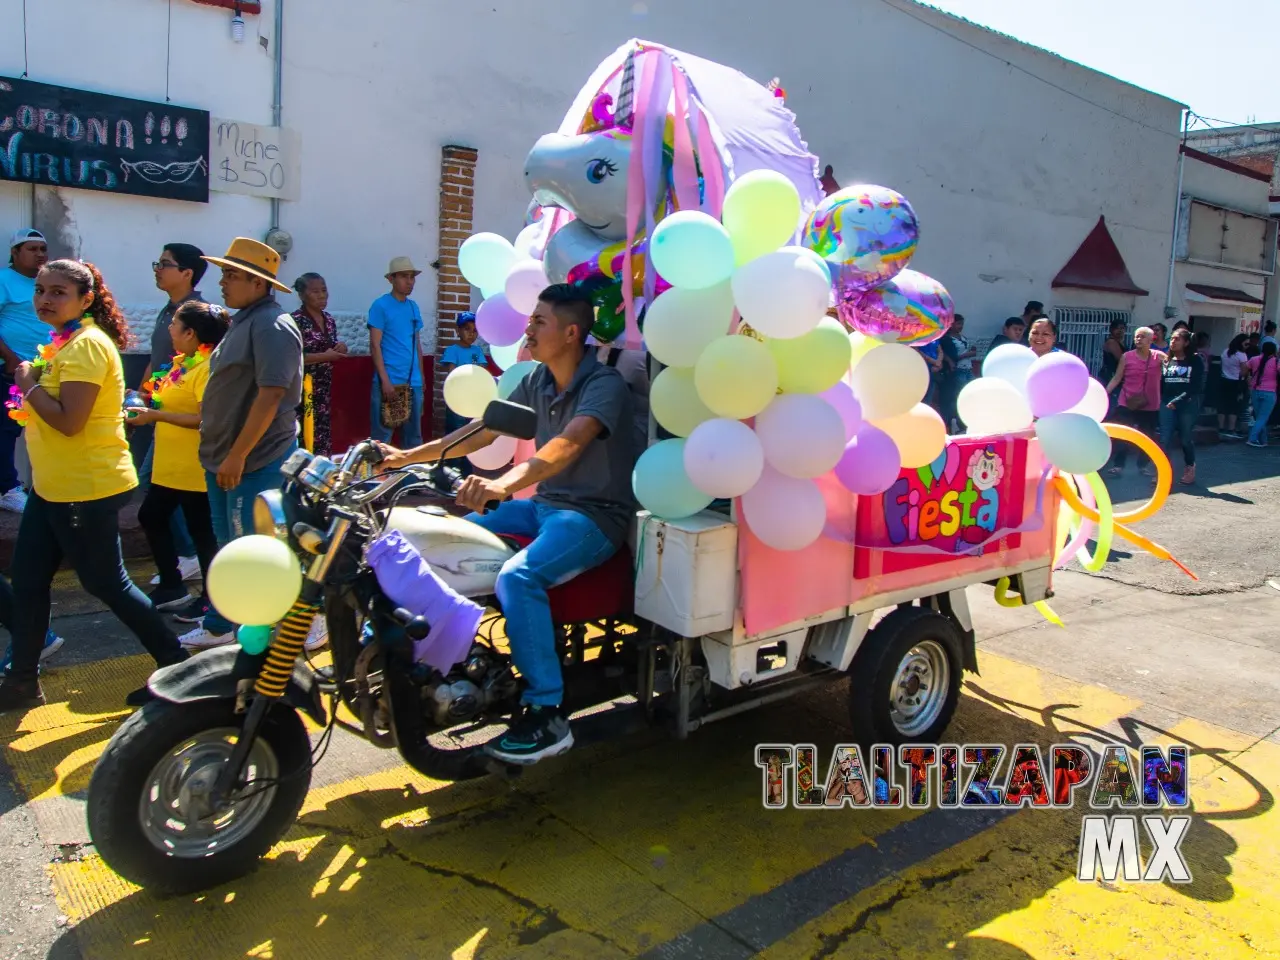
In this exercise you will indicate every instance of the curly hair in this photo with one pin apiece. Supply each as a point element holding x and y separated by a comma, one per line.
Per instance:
<point>103,309</point>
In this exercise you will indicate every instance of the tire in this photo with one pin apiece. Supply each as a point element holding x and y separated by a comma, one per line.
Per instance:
<point>121,787</point>
<point>906,638</point>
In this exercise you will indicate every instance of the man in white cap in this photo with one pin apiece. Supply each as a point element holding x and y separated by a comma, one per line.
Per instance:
<point>394,322</point>
<point>21,332</point>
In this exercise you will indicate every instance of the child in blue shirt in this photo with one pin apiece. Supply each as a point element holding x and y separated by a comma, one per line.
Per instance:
<point>460,354</point>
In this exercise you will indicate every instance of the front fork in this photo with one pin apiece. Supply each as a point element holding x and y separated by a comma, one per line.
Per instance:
<point>286,646</point>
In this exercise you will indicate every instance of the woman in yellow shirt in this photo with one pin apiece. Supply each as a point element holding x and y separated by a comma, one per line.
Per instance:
<point>177,479</point>
<point>71,402</point>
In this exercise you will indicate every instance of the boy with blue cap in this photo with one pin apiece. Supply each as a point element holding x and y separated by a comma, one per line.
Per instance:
<point>456,355</point>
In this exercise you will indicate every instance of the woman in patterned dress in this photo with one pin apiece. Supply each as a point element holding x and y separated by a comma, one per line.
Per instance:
<point>321,347</point>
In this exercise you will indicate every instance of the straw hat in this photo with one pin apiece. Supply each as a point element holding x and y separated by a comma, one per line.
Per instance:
<point>402,265</point>
<point>252,257</point>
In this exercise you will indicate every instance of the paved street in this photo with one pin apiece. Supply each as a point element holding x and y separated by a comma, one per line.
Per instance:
<point>660,849</point>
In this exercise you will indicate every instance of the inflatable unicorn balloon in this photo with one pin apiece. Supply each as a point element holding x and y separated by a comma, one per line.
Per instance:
<point>654,131</point>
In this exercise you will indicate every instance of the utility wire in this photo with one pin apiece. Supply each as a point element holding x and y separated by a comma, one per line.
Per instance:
<point>26,63</point>
<point>168,47</point>
<point>1034,76</point>
<point>1227,123</point>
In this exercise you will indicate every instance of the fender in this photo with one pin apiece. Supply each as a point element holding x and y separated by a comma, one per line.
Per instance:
<point>215,675</point>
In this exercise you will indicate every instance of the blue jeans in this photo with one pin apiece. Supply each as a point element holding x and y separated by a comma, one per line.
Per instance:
<point>1182,419</point>
<point>566,543</point>
<point>232,514</point>
<point>88,535</point>
<point>10,431</point>
<point>182,541</point>
<point>1264,401</point>
<point>410,430</point>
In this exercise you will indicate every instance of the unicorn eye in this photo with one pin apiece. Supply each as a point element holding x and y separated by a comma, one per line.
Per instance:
<point>597,170</point>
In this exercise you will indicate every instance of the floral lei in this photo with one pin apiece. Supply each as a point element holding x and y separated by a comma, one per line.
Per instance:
<point>171,374</point>
<point>47,351</point>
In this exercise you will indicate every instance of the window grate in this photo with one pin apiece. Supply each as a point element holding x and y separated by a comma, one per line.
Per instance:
<point>1083,331</point>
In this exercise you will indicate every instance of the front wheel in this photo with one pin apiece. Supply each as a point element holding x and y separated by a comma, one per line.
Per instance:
<point>149,813</point>
<point>905,680</point>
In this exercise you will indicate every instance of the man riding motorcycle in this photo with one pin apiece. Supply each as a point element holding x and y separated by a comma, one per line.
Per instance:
<point>578,518</point>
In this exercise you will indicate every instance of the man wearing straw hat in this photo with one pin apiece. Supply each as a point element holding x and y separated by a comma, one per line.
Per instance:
<point>248,424</point>
<point>394,322</point>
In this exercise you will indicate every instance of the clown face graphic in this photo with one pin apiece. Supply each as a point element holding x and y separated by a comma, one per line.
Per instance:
<point>986,469</point>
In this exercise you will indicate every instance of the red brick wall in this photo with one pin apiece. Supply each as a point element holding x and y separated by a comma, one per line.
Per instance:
<point>453,293</point>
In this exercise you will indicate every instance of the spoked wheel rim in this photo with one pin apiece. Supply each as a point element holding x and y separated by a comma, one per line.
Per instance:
<point>175,810</point>
<point>918,693</point>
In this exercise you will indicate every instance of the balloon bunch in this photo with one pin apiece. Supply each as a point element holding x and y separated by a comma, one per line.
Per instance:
<point>765,392</point>
<point>1056,396</point>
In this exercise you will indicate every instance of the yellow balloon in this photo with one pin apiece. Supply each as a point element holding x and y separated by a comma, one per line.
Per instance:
<point>469,389</point>
<point>919,433</point>
<point>813,362</point>
<point>254,580</point>
<point>736,377</point>
<point>674,401</point>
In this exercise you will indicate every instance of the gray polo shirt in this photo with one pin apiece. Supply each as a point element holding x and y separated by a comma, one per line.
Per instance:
<point>598,483</point>
<point>161,342</point>
<point>262,348</point>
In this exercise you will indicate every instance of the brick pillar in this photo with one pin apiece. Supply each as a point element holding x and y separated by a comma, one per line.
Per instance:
<point>453,293</point>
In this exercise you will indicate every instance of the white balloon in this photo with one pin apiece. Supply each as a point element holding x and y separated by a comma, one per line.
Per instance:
<point>680,323</point>
<point>723,458</point>
<point>1096,404</point>
<point>990,405</point>
<point>530,240</point>
<point>469,389</point>
<point>525,280</point>
<point>889,381</point>
<point>784,513</point>
<point>802,435</point>
<point>1010,362</point>
<point>782,294</point>
<point>495,455</point>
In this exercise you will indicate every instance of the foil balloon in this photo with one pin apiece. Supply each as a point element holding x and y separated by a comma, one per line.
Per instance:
<point>911,308</point>
<point>866,233</point>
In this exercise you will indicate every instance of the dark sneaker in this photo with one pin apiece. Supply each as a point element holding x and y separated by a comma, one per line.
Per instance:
<point>192,611</point>
<point>20,695</point>
<point>168,598</point>
<point>140,697</point>
<point>539,732</point>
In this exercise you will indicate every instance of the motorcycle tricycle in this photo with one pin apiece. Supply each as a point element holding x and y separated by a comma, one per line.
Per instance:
<point>199,784</point>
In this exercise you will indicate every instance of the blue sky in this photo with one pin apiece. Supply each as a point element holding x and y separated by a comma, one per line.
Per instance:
<point>1217,57</point>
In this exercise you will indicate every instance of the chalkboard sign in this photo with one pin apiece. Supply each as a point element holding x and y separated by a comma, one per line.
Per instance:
<point>59,137</point>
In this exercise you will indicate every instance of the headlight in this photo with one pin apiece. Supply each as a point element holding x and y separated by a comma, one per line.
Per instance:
<point>319,476</point>
<point>268,515</point>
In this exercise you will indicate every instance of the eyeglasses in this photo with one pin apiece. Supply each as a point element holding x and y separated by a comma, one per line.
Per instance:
<point>163,264</point>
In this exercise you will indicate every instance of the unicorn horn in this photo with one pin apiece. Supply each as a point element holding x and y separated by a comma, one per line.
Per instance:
<point>624,113</point>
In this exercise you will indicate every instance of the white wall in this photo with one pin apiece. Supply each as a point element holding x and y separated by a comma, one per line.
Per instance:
<point>1007,174</point>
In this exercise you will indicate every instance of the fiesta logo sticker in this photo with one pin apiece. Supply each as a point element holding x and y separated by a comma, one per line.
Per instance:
<point>938,502</point>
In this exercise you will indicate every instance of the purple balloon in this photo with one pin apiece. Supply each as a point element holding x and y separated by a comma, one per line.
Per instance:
<point>871,462</point>
<point>499,323</point>
<point>1056,382</point>
<point>841,397</point>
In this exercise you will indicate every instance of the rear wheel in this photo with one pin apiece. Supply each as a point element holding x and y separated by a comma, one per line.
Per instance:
<point>905,680</point>
<point>149,809</point>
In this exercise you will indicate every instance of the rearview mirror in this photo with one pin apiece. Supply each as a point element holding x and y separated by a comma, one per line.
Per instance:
<point>511,419</point>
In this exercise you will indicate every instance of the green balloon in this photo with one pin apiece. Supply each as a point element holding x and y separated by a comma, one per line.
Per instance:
<point>815,361</point>
<point>512,377</point>
<point>254,640</point>
<point>661,485</point>
<point>761,213</point>
<point>611,318</point>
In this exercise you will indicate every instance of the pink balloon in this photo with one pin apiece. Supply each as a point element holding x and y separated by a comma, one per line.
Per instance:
<point>911,308</point>
<point>783,512</point>
<point>525,282</point>
<point>499,322</point>
<point>1056,382</point>
<point>841,397</point>
<point>495,455</point>
<point>871,462</point>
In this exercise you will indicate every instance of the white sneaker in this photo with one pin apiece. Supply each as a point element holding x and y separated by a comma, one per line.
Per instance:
<point>202,639</point>
<point>319,634</point>
<point>188,567</point>
<point>15,501</point>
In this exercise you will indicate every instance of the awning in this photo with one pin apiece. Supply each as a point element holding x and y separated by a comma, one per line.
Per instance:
<point>1207,293</point>
<point>1098,265</point>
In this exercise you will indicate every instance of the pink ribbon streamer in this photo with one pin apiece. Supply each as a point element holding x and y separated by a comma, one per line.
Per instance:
<point>684,170</point>
<point>712,170</point>
<point>635,195</point>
